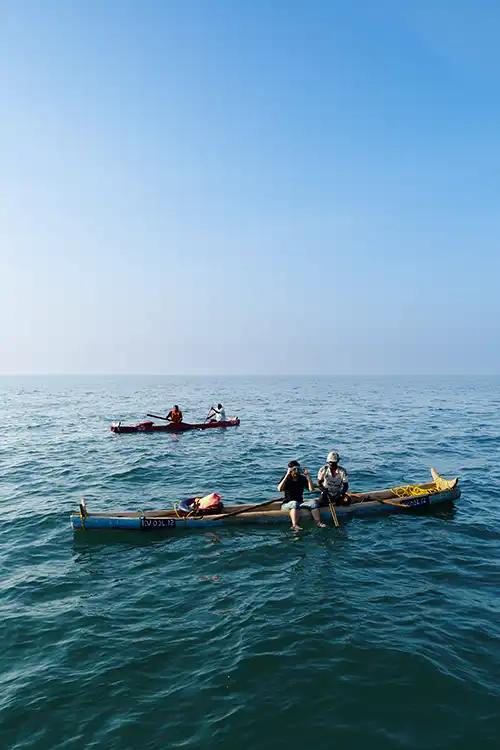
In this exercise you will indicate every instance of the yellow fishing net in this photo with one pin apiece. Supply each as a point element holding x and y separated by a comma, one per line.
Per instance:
<point>412,490</point>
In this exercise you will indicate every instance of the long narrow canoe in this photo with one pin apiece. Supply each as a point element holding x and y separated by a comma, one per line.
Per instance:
<point>393,500</point>
<point>120,428</point>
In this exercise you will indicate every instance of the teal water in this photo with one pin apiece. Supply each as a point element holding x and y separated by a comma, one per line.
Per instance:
<point>383,634</point>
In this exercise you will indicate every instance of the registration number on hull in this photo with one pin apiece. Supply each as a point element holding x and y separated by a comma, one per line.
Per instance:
<point>416,502</point>
<point>158,523</point>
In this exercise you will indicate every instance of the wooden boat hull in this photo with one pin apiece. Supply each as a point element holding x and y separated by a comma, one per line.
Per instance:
<point>124,429</point>
<point>392,500</point>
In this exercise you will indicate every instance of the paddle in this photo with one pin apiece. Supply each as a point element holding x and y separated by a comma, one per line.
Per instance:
<point>157,416</point>
<point>208,413</point>
<point>243,510</point>
<point>332,508</point>
<point>334,514</point>
<point>395,504</point>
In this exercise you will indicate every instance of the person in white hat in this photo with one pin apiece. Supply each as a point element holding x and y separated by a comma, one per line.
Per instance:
<point>333,481</point>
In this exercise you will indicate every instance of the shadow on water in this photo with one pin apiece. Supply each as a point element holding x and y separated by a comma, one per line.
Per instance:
<point>446,512</point>
<point>120,538</point>
<point>136,538</point>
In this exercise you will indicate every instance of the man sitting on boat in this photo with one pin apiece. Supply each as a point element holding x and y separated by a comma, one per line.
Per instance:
<point>174,415</point>
<point>333,481</point>
<point>217,415</point>
<point>293,485</point>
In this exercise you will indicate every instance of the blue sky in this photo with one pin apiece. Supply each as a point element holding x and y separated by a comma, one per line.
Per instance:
<point>259,187</point>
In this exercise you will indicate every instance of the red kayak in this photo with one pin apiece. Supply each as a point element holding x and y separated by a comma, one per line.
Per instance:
<point>170,427</point>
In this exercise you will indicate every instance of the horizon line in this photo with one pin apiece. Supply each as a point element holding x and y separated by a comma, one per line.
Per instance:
<point>244,375</point>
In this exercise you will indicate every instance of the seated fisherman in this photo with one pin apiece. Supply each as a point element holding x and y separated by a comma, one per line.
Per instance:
<point>333,481</point>
<point>175,415</point>
<point>217,415</point>
<point>293,485</point>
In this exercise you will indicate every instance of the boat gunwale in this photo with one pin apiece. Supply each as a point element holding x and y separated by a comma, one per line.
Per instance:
<point>127,429</point>
<point>369,499</point>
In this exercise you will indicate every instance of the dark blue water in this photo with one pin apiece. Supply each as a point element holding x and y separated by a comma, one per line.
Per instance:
<point>383,634</point>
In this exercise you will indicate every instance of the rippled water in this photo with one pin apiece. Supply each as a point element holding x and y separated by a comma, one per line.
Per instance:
<point>383,634</point>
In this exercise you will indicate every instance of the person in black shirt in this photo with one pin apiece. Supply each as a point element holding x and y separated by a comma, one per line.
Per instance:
<point>293,485</point>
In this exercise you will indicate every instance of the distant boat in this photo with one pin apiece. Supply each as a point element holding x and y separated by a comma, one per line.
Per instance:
<point>121,429</point>
<point>401,499</point>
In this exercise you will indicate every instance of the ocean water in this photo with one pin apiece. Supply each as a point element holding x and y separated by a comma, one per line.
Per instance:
<point>381,634</point>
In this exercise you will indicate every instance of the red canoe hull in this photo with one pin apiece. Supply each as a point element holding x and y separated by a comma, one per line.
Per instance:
<point>182,427</point>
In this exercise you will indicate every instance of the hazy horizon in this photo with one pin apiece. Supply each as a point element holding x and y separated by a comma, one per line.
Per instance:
<point>250,375</point>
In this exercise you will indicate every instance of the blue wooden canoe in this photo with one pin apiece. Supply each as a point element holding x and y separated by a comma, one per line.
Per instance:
<point>400,499</point>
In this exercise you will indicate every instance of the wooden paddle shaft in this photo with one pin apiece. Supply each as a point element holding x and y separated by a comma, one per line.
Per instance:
<point>246,510</point>
<point>243,510</point>
<point>394,504</point>
<point>334,515</point>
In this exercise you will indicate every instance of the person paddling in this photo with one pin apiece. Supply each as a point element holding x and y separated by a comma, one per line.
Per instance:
<point>217,415</point>
<point>174,415</point>
<point>333,481</point>
<point>293,485</point>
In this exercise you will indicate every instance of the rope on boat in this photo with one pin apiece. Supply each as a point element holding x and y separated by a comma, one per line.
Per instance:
<point>191,514</point>
<point>413,490</point>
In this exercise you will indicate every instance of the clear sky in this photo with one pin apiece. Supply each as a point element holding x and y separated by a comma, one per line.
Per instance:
<point>266,186</point>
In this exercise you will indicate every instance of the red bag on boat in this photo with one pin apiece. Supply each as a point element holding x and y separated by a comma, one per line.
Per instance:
<point>209,502</point>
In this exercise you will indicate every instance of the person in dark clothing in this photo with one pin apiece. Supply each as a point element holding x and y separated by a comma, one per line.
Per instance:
<point>293,485</point>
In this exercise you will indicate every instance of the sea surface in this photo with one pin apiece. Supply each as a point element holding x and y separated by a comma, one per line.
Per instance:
<point>381,634</point>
